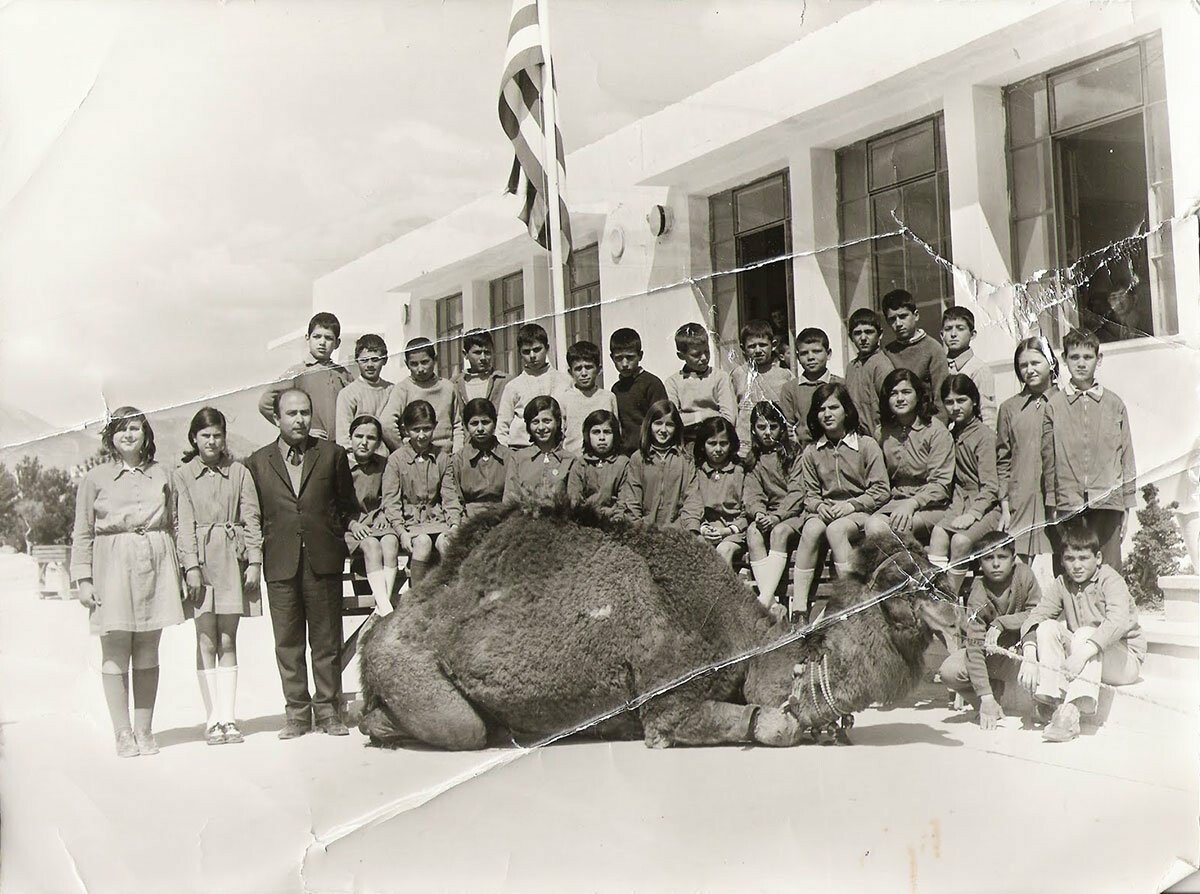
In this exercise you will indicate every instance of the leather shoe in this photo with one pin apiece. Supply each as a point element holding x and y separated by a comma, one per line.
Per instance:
<point>332,726</point>
<point>294,729</point>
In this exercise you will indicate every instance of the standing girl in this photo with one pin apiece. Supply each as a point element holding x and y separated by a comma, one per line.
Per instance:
<point>661,488</point>
<point>722,480</point>
<point>476,473</point>
<point>599,477</point>
<point>919,453</point>
<point>1019,449</point>
<point>220,545</point>
<point>975,497</point>
<point>538,473</point>
<point>125,563</point>
<point>776,513</point>
<point>844,479</point>
<point>371,533</point>
<point>421,509</point>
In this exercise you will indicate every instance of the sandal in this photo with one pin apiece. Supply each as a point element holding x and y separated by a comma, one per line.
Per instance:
<point>126,745</point>
<point>215,735</point>
<point>233,735</point>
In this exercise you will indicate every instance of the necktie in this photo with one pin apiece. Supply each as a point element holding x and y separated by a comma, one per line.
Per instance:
<point>295,457</point>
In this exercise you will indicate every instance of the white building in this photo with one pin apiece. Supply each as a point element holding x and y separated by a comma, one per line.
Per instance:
<point>1011,137</point>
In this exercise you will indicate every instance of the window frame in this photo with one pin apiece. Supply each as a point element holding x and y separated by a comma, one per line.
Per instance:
<point>504,329</point>
<point>449,335</point>
<point>582,322</point>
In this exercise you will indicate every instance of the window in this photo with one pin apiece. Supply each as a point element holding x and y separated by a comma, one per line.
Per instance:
<point>902,172</point>
<point>748,225</point>
<point>507,305</point>
<point>449,328</point>
<point>582,319</point>
<point>1089,172</point>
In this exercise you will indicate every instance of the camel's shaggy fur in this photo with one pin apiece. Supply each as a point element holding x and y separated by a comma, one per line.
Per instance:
<point>541,619</point>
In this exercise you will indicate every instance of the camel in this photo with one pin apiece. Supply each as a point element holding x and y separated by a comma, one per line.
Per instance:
<point>546,620</point>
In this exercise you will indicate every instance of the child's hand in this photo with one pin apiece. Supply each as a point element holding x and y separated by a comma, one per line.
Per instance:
<point>1027,677</point>
<point>406,542</point>
<point>1077,659</point>
<point>253,579</point>
<point>760,522</point>
<point>1005,516</point>
<point>825,512</point>
<point>195,584</point>
<point>902,516</point>
<point>964,521</point>
<point>843,509</point>
<point>990,712</point>
<point>992,639</point>
<point>359,531</point>
<point>87,593</point>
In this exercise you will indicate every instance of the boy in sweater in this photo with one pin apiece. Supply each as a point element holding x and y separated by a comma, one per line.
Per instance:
<point>812,352</point>
<point>478,377</point>
<point>423,383</point>
<point>698,391</point>
<point>635,389</point>
<point>760,378</point>
<point>958,329</point>
<point>537,378</point>
<point>912,348</point>
<point>368,394</point>
<point>866,372</point>
<point>317,376</point>
<point>584,395</point>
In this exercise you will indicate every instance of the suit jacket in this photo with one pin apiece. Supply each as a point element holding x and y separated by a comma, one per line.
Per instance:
<point>315,519</point>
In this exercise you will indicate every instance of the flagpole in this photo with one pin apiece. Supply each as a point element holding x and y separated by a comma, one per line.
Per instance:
<point>558,279</point>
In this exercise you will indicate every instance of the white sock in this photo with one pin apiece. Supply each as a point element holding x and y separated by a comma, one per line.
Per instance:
<point>379,589</point>
<point>843,569</point>
<point>942,562</point>
<point>801,584</point>
<point>208,692</point>
<point>775,566</point>
<point>756,571</point>
<point>389,580</point>
<point>226,693</point>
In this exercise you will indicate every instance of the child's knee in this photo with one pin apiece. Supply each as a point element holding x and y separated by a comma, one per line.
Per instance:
<point>877,524</point>
<point>371,548</point>
<point>779,539</point>
<point>1081,636</point>
<point>960,544</point>
<point>422,546</point>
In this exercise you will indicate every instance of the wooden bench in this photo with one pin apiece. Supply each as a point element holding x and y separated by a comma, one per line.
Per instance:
<point>53,571</point>
<point>358,602</point>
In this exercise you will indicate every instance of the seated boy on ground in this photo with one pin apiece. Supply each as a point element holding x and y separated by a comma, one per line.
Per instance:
<point>1003,594</point>
<point>1083,632</point>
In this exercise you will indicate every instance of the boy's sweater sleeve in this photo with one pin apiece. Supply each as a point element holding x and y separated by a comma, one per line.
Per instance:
<point>266,403</point>
<point>451,496</point>
<point>1026,594</point>
<point>1004,435</point>
<point>691,513</point>
<point>879,488</point>
<point>392,500</point>
<point>250,513</point>
<point>1048,608</point>
<point>671,389</point>
<point>789,400</point>
<point>1128,466</point>
<point>989,483</point>
<point>84,532</point>
<point>979,618</point>
<point>1049,469</point>
<point>1119,613</point>
<point>656,391</point>
<point>505,413</point>
<point>343,416</point>
<point>393,435</point>
<point>726,400</point>
<point>185,525</point>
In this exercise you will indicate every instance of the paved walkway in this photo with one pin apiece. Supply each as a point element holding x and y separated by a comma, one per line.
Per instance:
<point>923,803</point>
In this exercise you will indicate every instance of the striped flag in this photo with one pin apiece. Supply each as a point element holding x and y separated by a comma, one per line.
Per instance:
<point>521,116</point>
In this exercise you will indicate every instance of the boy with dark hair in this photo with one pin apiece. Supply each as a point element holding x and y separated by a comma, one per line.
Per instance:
<point>537,379</point>
<point>635,389</point>
<point>368,394</point>
<point>912,348</point>
<point>478,377</point>
<point>759,378</point>
<point>958,329</point>
<point>698,390</point>
<point>584,395</point>
<point>1083,632</point>
<point>812,353</point>
<point>1087,449</point>
<point>424,383</point>
<point>866,372</point>
<point>1003,594</point>
<point>317,375</point>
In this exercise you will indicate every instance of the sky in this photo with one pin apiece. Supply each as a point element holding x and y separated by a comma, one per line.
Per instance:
<point>174,176</point>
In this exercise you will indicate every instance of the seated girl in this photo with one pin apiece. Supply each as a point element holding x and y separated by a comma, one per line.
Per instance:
<point>420,507</point>
<point>372,535</point>
<point>776,514</point>
<point>975,495</point>
<point>476,473</point>
<point>538,473</point>
<point>598,479</point>
<point>660,487</point>
<point>919,453</point>
<point>722,481</point>
<point>844,479</point>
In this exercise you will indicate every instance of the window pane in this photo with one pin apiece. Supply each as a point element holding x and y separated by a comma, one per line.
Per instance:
<point>1028,119</point>
<point>882,207</point>
<point>854,220</point>
<point>889,269</point>
<point>1032,249</point>
<point>920,209</point>
<point>585,266</point>
<point>856,279</point>
<point>720,210</point>
<point>1031,180</point>
<point>1099,88</point>
<point>1155,77</point>
<point>902,156</point>
<point>761,204</point>
<point>852,173</point>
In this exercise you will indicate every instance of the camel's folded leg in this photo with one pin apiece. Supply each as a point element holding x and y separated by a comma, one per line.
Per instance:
<point>422,703</point>
<point>675,721</point>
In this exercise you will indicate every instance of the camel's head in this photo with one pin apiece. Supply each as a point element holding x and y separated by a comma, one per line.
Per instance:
<point>914,602</point>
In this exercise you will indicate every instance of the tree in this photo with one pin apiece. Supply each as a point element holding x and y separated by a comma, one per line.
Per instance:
<point>46,504</point>
<point>12,531</point>
<point>1157,549</point>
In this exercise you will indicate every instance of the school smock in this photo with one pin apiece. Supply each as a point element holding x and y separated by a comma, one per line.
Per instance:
<point>976,486</point>
<point>661,489</point>
<point>1007,610</point>
<point>438,393</point>
<point>721,494</point>
<point>1087,451</point>
<point>368,494</point>
<point>122,540</point>
<point>853,469</point>
<point>980,373</point>
<point>634,396</point>
<point>796,400</point>
<point>220,531</point>
<point>598,480</point>
<point>536,476</point>
<point>749,388</point>
<point>699,396</point>
<point>361,398</point>
<point>1103,602</point>
<point>322,381</point>
<point>415,498</point>
<point>864,380</point>
<point>920,462</point>
<point>767,484</point>
<point>477,476</point>
<point>1019,469</point>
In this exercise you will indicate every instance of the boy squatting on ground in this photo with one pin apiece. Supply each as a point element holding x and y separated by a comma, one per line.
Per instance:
<point>537,379</point>
<point>424,383</point>
<point>1000,601</point>
<point>317,376</point>
<point>759,378</point>
<point>913,348</point>
<point>584,395</point>
<point>368,394</point>
<point>698,390</point>
<point>635,389</point>
<point>479,377</point>
<point>812,353</point>
<point>1083,632</point>
<point>958,330</point>
<point>1087,449</point>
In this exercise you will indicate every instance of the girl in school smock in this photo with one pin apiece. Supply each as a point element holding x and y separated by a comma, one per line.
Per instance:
<point>476,473</point>
<point>722,481</point>
<point>539,473</point>
<point>123,558</point>
<point>371,533</point>
<point>600,474</point>
<point>775,513</point>
<point>661,487</point>
<point>919,453</point>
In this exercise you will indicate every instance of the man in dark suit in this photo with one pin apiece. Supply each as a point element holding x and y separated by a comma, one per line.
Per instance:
<point>307,499</point>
